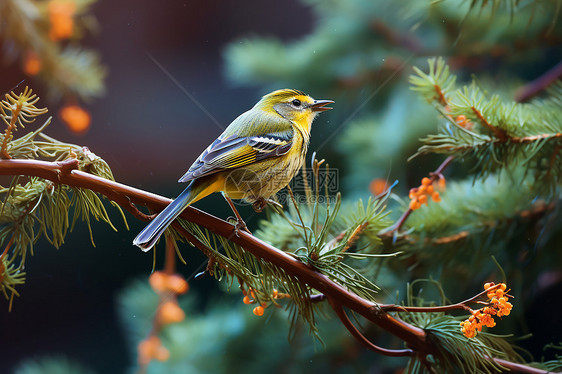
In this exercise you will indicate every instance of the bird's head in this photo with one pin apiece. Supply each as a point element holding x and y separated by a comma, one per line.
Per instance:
<point>294,105</point>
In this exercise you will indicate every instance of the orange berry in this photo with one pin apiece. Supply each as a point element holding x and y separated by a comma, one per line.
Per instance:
<point>503,286</point>
<point>31,64</point>
<point>258,311</point>
<point>425,181</point>
<point>422,189</point>
<point>488,285</point>
<point>61,17</point>
<point>378,186</point>
<point>246,300</point>
<point>252,294</point>
<point>177,284</point>
<point>147,348</point>
<point>76,118</point>
<point>170,312</point>
<point>415,204</point>
<point>429,190</point>
<point>157,281</point>
<point>441,184</point>
<point>413,193</point>
<point>162,354</point>
<point>435,197</point>
<point>422,199</point>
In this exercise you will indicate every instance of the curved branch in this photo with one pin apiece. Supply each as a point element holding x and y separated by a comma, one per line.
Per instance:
<point>437,309</point>
<point>362,339</point>
<point>65,172</point>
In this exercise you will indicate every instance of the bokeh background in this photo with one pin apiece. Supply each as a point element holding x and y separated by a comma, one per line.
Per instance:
<point>177,73</point>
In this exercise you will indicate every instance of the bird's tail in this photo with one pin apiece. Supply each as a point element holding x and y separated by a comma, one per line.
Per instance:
<point>152,232</point>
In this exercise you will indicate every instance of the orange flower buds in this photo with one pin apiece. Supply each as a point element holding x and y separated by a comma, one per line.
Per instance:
<point>167,286</point>
<point>31,64</point>
<point>170,312</point>
<point>162,282</point>
<point>151,348</point>
<point>177,284</point>
<point>420,195</point>
<point>61,15</point>
<point>499,306</point>
<point>378,186</point>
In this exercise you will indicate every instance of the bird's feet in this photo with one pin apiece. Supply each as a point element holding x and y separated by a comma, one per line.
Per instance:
<point>239,225</point>
<point>260,204</point>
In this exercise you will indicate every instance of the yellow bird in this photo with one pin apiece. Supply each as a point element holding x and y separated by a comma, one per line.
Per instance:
<point>257,155</point>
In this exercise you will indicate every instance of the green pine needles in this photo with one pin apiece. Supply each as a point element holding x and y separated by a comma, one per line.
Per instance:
<point>33,207</point>
<point>494,133</point>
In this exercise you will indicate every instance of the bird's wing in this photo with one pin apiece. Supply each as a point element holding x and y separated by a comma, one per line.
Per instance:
<point>231,150</point>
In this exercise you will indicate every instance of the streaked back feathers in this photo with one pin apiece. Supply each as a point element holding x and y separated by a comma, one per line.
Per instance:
<point>255,156</point>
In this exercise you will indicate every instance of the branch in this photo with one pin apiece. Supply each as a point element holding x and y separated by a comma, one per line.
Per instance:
<point>499,133</point>
<point>124,195</point>
<point>362,339</point>
<point>436,309</point>
<point>535,87</point>
<point>65,172</point>
<point>433,176</point>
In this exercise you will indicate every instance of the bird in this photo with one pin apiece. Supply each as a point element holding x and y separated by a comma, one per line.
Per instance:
<point>256,156</point>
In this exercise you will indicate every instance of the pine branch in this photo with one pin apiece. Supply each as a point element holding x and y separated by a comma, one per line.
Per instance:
<point>65,172</point>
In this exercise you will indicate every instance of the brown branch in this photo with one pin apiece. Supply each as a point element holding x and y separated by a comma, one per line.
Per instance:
<point>126,196</point>
<point>440,95</point>
<point>7,135</point>
<point>362,339</point>
<point>515,368</point>
<point>392,36</point>
<point>499,133</point>
<point>533,88</point>
<point>433,176</point>
<point>436,309</point>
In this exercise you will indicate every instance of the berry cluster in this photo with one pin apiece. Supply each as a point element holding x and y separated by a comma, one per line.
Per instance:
<point>428,189</point>
<point>498,306</point>
<point>167,286</point>
<point>250,298</point>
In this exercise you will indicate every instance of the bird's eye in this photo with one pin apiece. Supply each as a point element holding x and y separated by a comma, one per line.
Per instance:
<point>296,102</point>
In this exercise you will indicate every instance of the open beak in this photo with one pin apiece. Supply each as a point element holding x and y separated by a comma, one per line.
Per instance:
<point>319,105</point>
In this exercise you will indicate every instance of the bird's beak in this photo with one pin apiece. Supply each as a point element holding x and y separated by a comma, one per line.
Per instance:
<point>319,105</point>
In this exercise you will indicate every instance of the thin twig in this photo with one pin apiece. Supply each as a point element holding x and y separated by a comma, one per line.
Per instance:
<point>433,176</point>
<point>534,87</point>
<point>435,309</point>
<point>362,339</point>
